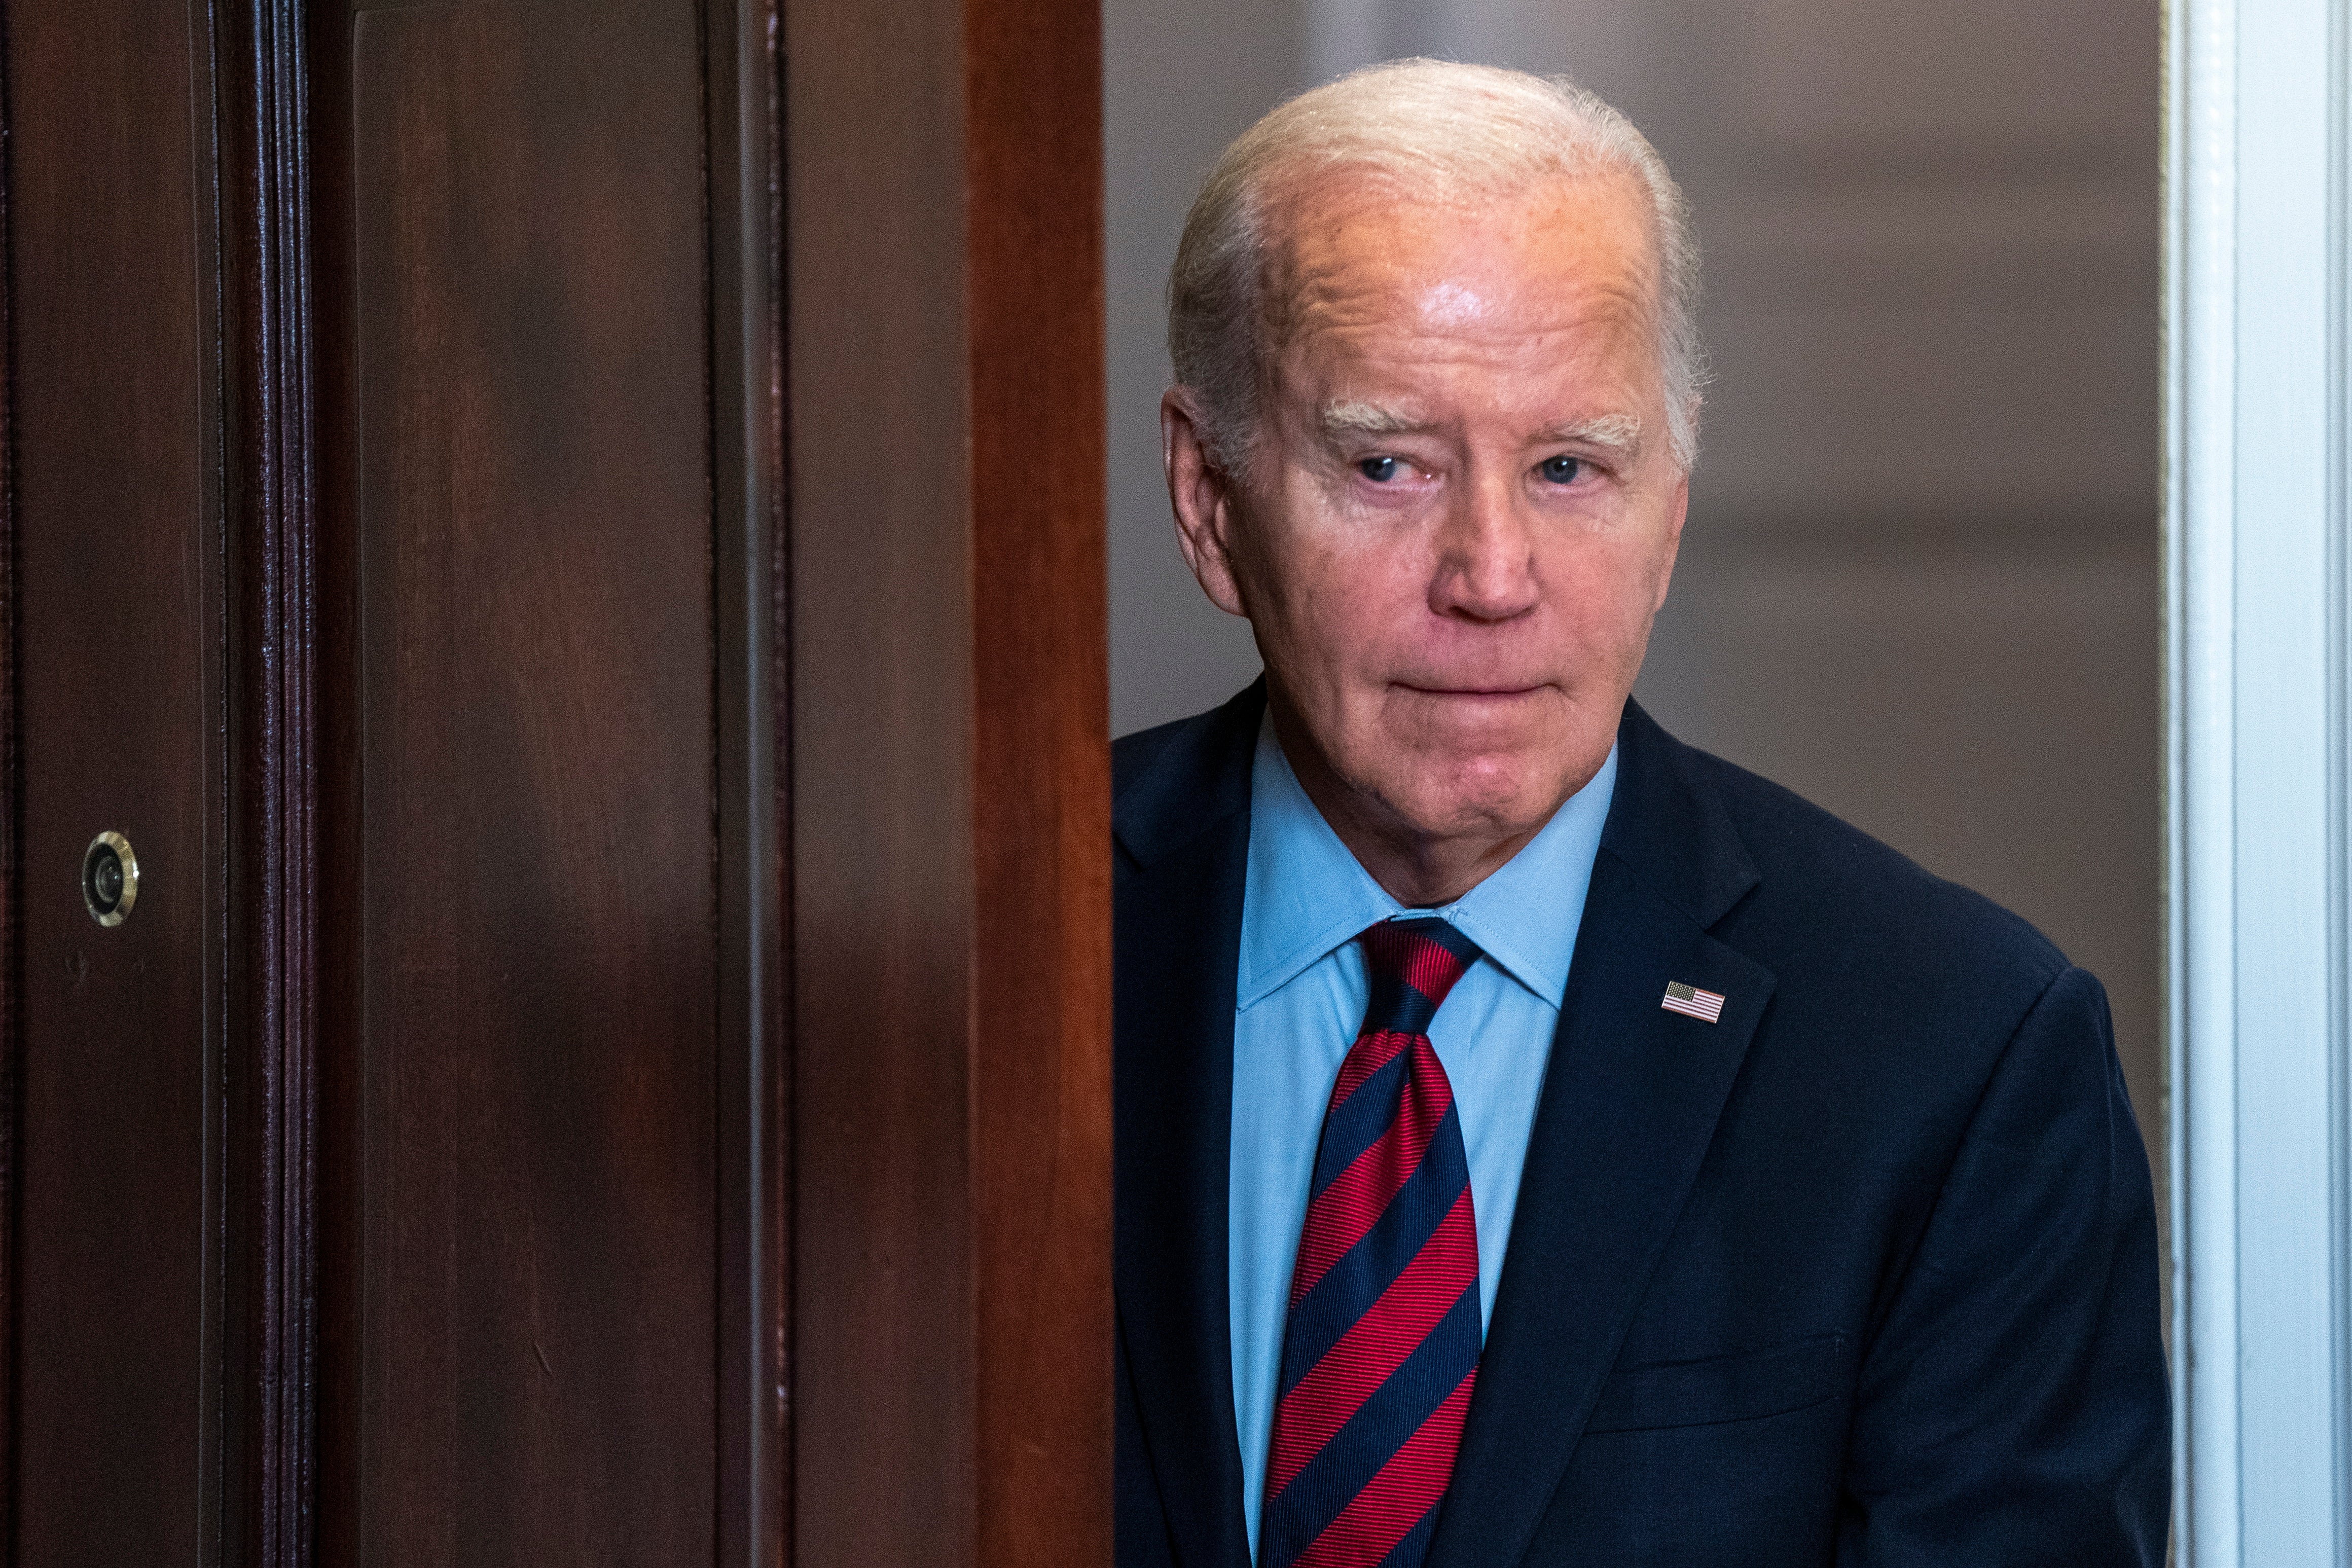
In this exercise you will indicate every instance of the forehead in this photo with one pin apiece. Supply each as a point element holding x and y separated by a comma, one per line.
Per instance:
<point>1356,258</point>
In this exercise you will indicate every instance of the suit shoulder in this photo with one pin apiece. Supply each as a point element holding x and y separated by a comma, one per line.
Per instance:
<point>1131,755</point>
<point>1170,782</point>
<point>1829,884</point>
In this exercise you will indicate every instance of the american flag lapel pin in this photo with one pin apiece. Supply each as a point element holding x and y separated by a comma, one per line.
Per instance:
<point>1692,1002</point>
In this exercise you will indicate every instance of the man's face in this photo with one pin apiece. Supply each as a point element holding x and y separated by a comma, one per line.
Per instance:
<point>1462,511</point>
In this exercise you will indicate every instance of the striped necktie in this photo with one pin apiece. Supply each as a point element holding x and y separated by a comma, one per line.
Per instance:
<point>1381,1346</point>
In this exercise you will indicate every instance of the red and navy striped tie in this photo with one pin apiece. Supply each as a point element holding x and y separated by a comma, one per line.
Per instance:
<point>1381,1347</point>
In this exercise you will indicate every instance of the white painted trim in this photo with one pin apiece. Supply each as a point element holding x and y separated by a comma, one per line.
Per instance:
<point>2255,306</point>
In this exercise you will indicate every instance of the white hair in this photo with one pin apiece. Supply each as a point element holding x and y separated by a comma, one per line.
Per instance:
<point>1444,132</point>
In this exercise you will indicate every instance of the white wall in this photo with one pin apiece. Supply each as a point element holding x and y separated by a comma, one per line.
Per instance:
<point>1179,82</point>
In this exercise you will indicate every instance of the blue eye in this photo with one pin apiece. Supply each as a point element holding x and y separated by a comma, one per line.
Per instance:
<point>1560,470</point>
<point>1379,470</point>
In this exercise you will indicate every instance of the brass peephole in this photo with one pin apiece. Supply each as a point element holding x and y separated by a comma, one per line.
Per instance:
<point>110,878</point>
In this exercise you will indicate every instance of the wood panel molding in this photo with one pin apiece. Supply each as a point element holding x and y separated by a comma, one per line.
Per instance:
<point>746,175</point>
<point>272,1068</point>
<point>11,842</point>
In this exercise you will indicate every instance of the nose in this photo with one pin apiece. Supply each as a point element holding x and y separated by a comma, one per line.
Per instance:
<point>1486,569</point>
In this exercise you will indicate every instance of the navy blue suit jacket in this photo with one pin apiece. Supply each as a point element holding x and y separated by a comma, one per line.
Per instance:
<point>1864,1273</point>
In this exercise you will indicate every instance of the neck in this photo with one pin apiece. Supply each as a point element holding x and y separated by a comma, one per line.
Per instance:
<point>1420,870</point>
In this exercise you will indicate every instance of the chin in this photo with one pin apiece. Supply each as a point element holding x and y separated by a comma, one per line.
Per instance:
<point>1483,797</point>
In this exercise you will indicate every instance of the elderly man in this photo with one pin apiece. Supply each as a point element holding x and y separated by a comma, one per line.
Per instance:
<point>1540,1142</point>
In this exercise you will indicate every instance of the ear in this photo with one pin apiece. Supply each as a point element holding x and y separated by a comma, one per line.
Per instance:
<point>1202,497</point>
<point>1677,508</point>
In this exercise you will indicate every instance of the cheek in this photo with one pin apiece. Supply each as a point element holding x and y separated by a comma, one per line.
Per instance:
<point>1609,590</point>
<point>1346,603</point>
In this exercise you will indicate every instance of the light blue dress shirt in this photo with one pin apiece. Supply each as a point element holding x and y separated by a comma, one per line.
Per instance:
<point>1301,998</point>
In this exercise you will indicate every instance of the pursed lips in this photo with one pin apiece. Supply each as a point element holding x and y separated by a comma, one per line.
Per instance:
<point>1472,693</point>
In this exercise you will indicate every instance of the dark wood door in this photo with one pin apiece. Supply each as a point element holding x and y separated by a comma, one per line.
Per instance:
<point>117,664</point>
<point>387,1181</point>
<point>458,1154</point>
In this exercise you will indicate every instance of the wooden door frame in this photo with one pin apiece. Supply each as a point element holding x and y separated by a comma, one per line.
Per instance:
<point>951,781</point>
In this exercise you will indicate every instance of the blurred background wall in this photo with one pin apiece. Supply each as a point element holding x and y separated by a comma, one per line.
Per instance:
<point>1920,579</point>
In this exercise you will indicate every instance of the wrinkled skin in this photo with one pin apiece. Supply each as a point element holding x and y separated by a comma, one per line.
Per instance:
<point>1459,515</point>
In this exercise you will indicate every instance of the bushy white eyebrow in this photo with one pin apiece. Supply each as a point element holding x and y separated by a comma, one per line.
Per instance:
<point>1617,432</point>
<point>1347,417</point>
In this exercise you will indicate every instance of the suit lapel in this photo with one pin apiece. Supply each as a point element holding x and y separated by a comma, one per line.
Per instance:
<point>1184,829</point>
<point>1630,1103</point>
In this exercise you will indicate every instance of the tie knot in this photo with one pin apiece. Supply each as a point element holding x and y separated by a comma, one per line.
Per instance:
<point>1412,965</point>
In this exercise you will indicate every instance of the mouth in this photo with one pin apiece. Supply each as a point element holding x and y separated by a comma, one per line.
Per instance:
<point>1469,693</point>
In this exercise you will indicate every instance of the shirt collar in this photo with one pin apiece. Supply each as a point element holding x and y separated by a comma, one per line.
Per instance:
<point>1306,895</point>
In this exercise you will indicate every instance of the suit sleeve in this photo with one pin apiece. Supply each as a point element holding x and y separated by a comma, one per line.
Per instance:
<point>2013,1406</point>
